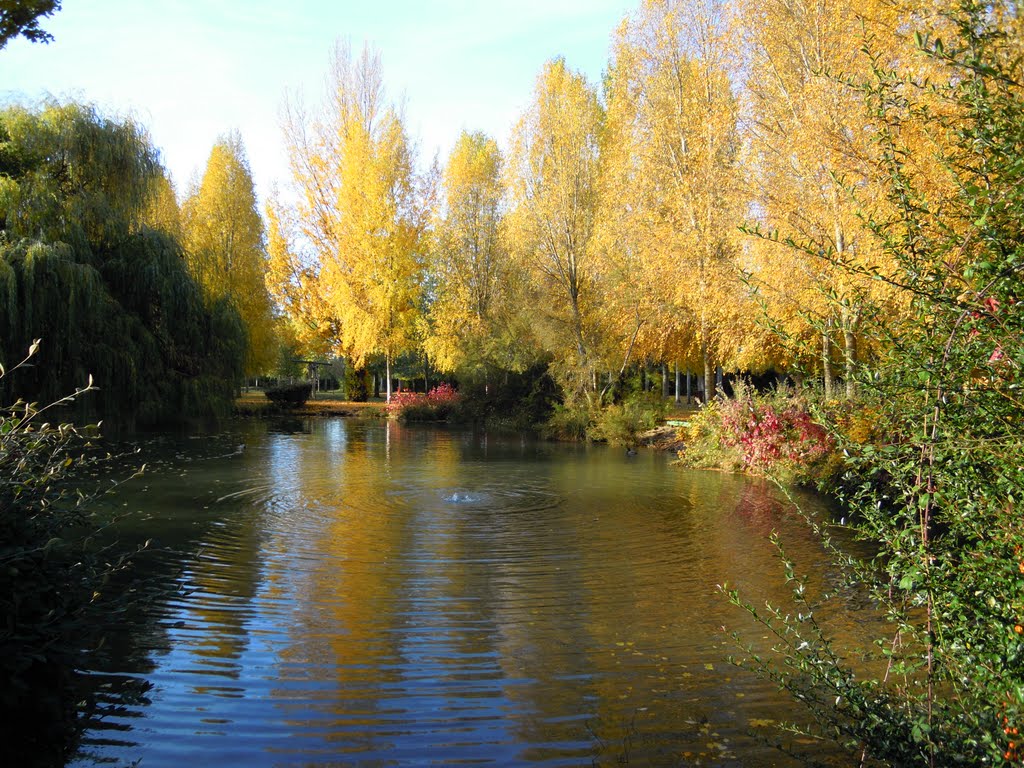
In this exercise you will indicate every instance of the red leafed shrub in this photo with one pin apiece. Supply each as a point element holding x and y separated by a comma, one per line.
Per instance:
<point>771,434</point>
<point>402,400</point>
<point>766,435</point>
<point>436,405</point>
<point>442,394</point>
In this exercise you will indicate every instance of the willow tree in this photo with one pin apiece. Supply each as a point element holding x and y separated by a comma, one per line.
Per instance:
<point>83,268</point>
<point>674,174</point>
<point>226,247</point>
<point>362,212</point>
<point>553,184</point>
<point>474,284</point>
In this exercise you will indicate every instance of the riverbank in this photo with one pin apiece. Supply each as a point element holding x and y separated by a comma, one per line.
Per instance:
<point>667,436</point>
<point>255,403</point>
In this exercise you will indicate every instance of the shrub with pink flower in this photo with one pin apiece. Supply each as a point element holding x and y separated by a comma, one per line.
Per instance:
<point>767,435</point>
<point>436,405</point>
<point>771,433</point>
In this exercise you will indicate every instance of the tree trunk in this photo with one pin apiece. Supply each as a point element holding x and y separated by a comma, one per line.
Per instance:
<point>664,381</point>
<point>387,375</point>
<point>826,365</point>
<point>689,385</point>
<point>850,320</point>
<point>709,372</point>
<point>678,382</point>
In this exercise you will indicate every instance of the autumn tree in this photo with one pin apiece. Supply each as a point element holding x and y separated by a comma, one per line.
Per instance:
<point>672,199</point>
<point>811,160</point>
<point>361,215</point>
<point>553,185</point>
<point>226,249</point>
<point>636,311</point>
<point>293,281</point>
<point>473,325</point>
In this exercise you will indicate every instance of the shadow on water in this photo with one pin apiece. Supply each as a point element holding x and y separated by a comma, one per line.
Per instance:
<point>365,593</point>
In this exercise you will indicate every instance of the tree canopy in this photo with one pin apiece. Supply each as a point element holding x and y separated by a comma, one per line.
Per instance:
<point>22,17</point>
<point>226,248</point>
<point>362,217</point>
<point>85,270</point>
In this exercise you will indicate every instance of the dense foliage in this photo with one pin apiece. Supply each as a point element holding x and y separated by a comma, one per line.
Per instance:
<point>290,395</point>
<point>608,235</point>
<point>53,576</point>
<point>83,266</point>
<point>938,487</point>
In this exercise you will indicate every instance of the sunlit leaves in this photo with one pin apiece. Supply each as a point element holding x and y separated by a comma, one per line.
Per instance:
<point>671,204</point>
<point>225,247</point>
<point>553,184</point>
<point>361,214</point>
<point>474,284</point>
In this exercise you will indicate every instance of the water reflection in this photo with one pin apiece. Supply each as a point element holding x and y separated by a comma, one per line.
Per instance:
<point>367,593</point>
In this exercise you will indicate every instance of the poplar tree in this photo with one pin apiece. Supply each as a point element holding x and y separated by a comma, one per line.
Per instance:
<point>362,214</point>
<point>811,163</point>
<point>226,247</point>
<point>474,283</point>
<point>553,183</point>
<point>672,204</point>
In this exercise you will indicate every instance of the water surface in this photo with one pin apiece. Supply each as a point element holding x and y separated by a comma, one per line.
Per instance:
<point>344,593</point>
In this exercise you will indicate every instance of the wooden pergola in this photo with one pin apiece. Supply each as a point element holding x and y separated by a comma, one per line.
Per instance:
<point>313,367</point>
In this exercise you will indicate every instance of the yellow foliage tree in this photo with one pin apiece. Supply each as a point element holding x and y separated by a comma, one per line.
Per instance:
<point>474,284</point>
<point>811,159</point>
<point>293,284</point>
<point>225,247</point>
<point>671,203</point>
<point>362,214</point>
<point>553,183</point>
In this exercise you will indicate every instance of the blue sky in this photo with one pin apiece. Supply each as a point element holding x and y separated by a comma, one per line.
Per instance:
<point>191,71</point>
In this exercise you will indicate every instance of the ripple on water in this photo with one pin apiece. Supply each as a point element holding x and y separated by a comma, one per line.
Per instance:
<point>350,599</point>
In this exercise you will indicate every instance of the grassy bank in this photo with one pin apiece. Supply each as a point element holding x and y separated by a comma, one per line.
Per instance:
<point>255,403</point>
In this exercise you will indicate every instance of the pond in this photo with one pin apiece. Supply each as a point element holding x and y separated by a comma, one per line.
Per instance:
<point>335,592</point>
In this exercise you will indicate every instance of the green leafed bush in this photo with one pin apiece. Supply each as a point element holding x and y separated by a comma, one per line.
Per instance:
<point>935,478</point>
<point>53,578</point>
<point>290,395</point>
